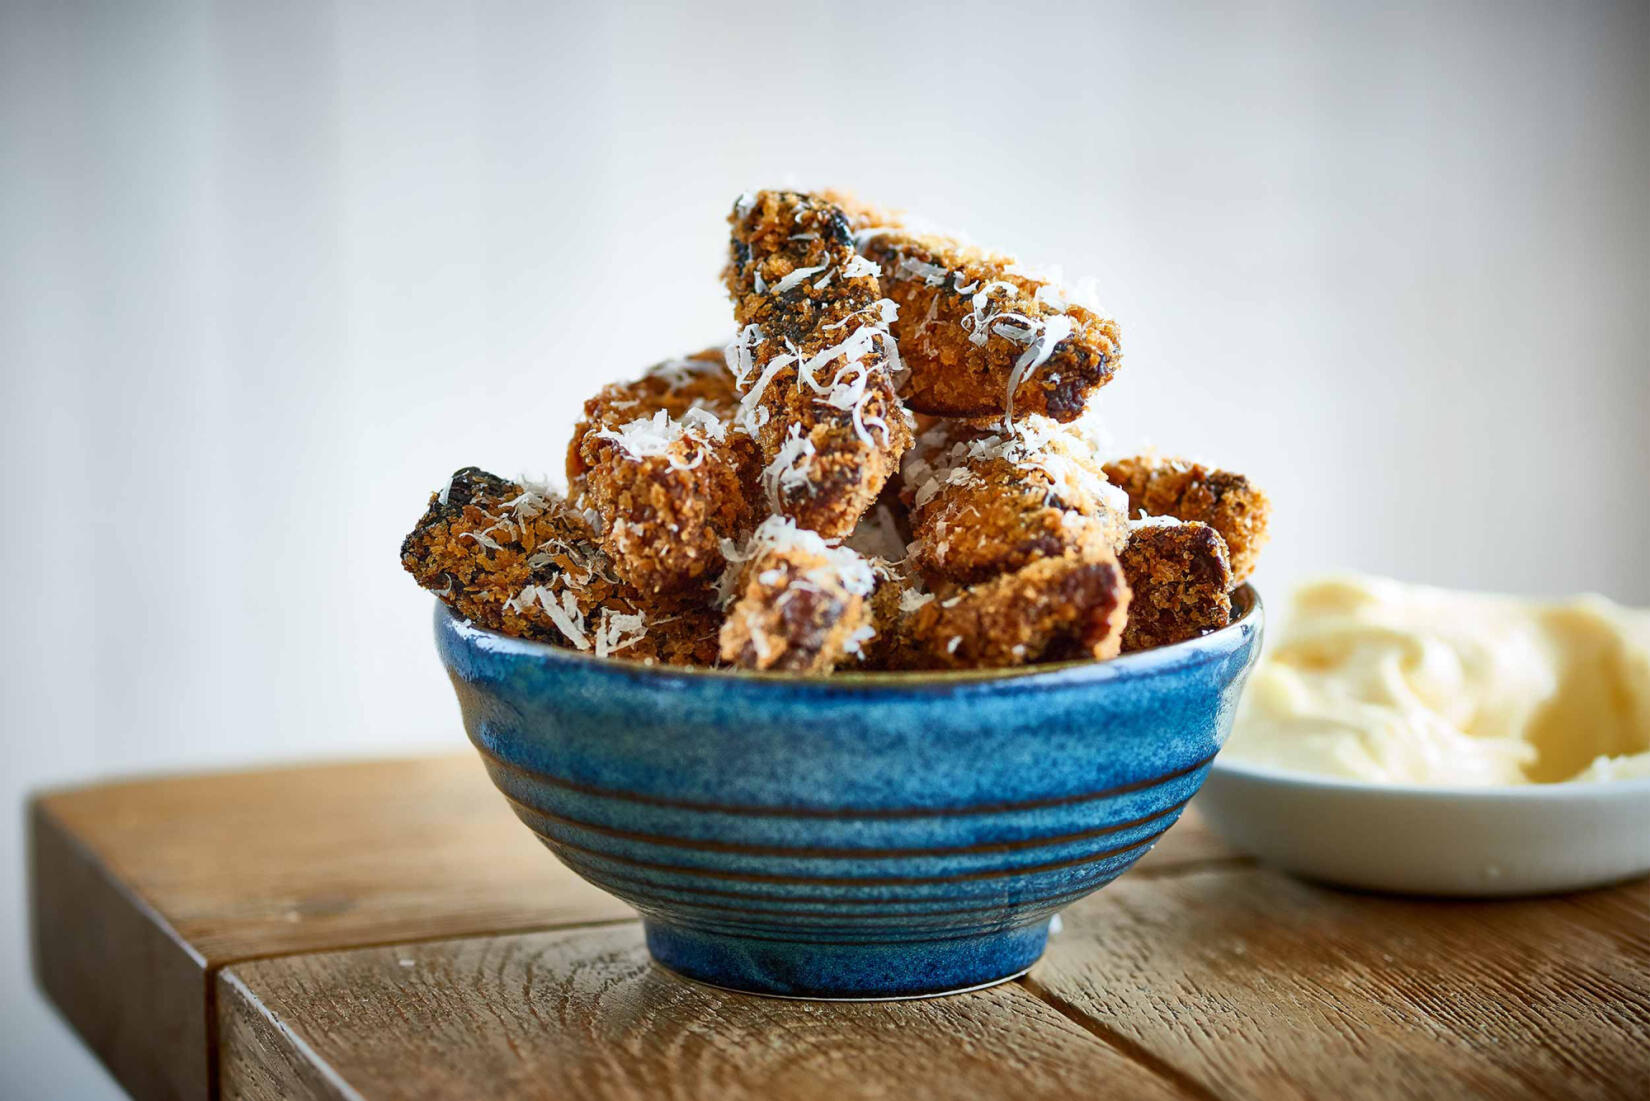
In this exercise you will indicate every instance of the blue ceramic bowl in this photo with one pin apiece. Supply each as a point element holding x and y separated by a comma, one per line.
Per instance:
<point>857,836</point>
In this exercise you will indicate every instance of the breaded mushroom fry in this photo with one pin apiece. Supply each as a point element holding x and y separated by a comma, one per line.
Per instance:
<point>814,360</point>
<point>1181,582</point>
<point>985,502</point>
<point>981,334</point>
<point>518,559</point>
<point>1227,502</point>
<point>669,473</point>
<point>799,604</point>
<point>1071,606</point>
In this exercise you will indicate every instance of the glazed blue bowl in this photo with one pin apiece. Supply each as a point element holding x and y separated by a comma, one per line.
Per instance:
<point>871,835</point>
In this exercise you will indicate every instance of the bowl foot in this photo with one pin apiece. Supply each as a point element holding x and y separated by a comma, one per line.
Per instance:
<point>846,972</point>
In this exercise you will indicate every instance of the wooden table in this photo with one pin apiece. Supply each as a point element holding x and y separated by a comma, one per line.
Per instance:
<point>387,929</point>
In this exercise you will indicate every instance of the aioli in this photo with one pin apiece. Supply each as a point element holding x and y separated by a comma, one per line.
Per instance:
<point>1383,682</point>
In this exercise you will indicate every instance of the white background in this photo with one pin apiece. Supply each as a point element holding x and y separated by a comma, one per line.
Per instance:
<point>270,271</point>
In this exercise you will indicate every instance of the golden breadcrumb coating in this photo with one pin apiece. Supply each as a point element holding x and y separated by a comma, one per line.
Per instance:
<point>813,361</point>
<point>750,506</point>
<point>1070,606</point>
<point>520,560</point>
<point>981,334</point>
<point>670,475</point>
<point>1181,581</point>
<point>986,501</point>
<point>800,604</point>
<point>886,607</point>
<point>1190,491</point>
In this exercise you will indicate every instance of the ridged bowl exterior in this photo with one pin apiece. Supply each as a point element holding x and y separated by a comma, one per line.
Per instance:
<point>853,836</point>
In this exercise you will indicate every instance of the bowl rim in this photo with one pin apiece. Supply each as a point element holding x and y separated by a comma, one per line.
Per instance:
<point>1251,618</point>
<point>1551,791</point>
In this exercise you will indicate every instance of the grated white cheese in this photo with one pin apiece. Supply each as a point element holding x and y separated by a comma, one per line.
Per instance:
<point>790,468</point>
<point>483,538</point>
<point>618,630</point>
<point>912,268</point>
<point>795,278</point>
<point>564,614</point>
<point>860,267</point>
<point>659,434</point>
<point>1044,337</point>
<point>751,415</point>
<point>1034,444</point>
<point>912,599</point>
<point>741,353</point>
<point>585,561</point>
<point>855,643</point>
<point>849,388</point>
<point>533,500</point>
<point>843,567</point>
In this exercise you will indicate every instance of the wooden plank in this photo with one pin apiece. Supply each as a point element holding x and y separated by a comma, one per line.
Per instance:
<point>1255,985</point>
<point>584,1014</point>
<point>141,890</point>
<point>133,991</point>
<point>302,859</point>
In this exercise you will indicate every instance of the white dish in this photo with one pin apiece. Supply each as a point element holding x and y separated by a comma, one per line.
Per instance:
<point>1473,842</point>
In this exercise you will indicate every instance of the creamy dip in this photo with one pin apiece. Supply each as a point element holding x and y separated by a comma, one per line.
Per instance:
<point>1384,682</point>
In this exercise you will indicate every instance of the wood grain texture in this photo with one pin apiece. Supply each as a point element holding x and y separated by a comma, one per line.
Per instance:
<point>130,987</point>
<point>584,1014</point>
<point>390,930</point>
<point>1258,986</point>
<point>303,859</point>
<point>141,890</point>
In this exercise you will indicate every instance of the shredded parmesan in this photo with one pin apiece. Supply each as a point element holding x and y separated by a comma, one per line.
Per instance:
<point>912,599</point>
<point>483,538</point>
<point>912,268</point>
<point>1034,443</point>
<point>860,267</point>
<point>618,630</point>
<point>564,614</point>
<point>659,435</point>
<point>1044,337</point>
<point>843,567</point>
<point>791,281</point>
<point>790,468</point>
<point>741,353</point>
